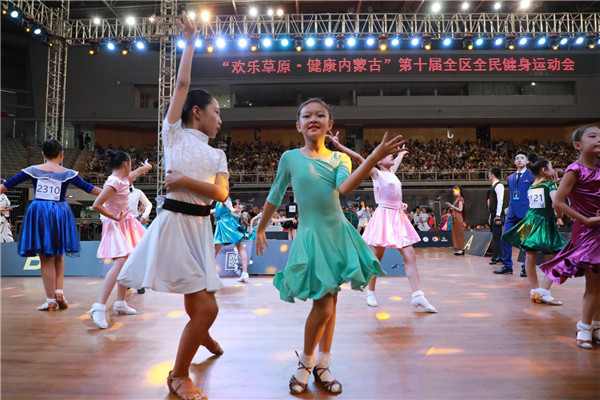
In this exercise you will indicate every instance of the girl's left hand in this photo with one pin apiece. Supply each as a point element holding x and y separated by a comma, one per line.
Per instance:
<point>174,180</point>
<point>559,222</point>
<point>146,164</point>
<point>188,29</point>
<point>334,138</point>
<point>260,243</point>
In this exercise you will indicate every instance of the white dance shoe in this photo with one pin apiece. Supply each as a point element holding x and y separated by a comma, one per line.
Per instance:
<point>98,314</point>
<point>419,301</point>
<point>584,335</point>
<point>121,307</point>
<point>244,277</point>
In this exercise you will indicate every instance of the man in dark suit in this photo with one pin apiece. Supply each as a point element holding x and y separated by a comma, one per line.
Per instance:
<point>495,203</point>
<point>518,185</point>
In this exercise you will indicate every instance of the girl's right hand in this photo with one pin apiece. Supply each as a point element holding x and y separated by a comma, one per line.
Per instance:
<point>386,148</point>
<point>121,216</point>
<point>260,243</point>
<point>593,221</point>
<point>334,138</point>
<point>188,29</point>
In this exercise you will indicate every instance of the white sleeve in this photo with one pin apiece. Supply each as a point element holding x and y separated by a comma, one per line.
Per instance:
<point>500,197</point>
<point>147,205</point>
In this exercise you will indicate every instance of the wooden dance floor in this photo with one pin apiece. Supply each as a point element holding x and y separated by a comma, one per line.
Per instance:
<point>487,342</point>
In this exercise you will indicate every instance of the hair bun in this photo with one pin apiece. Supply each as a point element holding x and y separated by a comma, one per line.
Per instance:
<point>532,157</point>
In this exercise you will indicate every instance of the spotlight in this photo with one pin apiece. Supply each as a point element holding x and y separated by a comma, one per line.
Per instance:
<point>191,15</point>
<point>447,41</point>
<point>47,41</point>
<point>383,43</point>
<point>468,42</point>
<point>465,6</point>
<point>96,21</point>
<point>579,40</point>
<point>395,42</point>
<point>253,12</point>
<point>497,6</point>
<point>436,7</point>
<point>14,14</point>
<point>414,42</point>
<point>181,43</point>
<point>591,41</point>
<point>198,43</point>
<point>370,41</point>
<point>498,41</point>
<point>254,44</point>
<point>130,21</point>
<point>524,4</point>
<point>205,16</point>
<point>221,43</point>
<point>329,42</point>
<point>94,45</point>
<point>210,48</point>
<point>242,43</point>
<point>479,42</point>
<point>267,42</point>
<point>509,43</point>
<point>298,43</point>
<point>563,41</point>
<point>351,41</point>
<point>270,12</point>
<point>285,42</point>
<point>152,19</point>
<point>542,41</point>
<point>37,31</point>
<point>523,40</point>
<point>279,12</point>
<point>110,46</point>
<point>426,42</point>
<point>27,28</point>
<point>553,42</point>
<point>125,47</point>
<point>310,42</point>
<point>139,44</point>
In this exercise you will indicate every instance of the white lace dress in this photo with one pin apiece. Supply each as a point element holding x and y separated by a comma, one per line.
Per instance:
<point>5,231</point>
<point>176,254</point>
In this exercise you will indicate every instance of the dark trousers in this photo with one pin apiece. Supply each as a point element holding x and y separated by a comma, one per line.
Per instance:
<point>506,248</point>
<point>496,239</point>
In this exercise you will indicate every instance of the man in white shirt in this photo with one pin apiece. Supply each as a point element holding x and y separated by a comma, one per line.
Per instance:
<point>495,202</point>
<point>135,197</point>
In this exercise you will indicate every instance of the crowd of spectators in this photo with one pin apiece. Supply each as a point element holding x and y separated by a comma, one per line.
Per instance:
<point>443,159</point>
<point>98,163</point>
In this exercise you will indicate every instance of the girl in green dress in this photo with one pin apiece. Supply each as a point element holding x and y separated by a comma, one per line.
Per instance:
<point>327,250</point>
<point>538,231</point>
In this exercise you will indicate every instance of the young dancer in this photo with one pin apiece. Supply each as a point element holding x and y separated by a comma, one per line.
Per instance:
<point>537,231</point>
<point>458,210</point>
<point>228,230</point>
<point>364,216</point>
<point>390,227</point>
<point>176,254</point>
<point>275,220</point>
<point>327,251</point>
<point>581,255</point>
<point>49,228</point>
<point>121,232</point>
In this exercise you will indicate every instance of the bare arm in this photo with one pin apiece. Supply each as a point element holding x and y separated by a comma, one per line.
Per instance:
<point>218,191</point>
<point>351,153</point>
<point>139,171</point>
<point>559,203</point>
<point>261,240</point>
<point>182,85</point>
<point>98,205</point>
<point>398,159</point>
<point>384,149</point>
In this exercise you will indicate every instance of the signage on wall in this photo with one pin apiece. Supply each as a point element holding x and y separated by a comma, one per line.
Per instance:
<point>397,65</point>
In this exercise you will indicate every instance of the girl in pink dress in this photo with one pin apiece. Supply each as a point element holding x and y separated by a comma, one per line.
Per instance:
<point>581,255</point>
<point>121,231</point>
<point>389,226</point>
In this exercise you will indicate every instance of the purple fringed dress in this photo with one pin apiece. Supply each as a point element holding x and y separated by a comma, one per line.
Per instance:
<point>583,250</point>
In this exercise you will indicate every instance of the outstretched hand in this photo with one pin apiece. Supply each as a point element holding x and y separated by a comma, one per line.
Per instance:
<point>188,28</point>
<point>386,147</point>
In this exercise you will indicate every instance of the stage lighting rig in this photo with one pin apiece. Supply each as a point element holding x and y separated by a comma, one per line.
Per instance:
<point>426,42</point>
<point>383,42</point>
<point>468,42</point>
<point>509,42</point>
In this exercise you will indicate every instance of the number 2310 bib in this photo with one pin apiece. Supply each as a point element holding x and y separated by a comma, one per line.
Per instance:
<point>47,189</point>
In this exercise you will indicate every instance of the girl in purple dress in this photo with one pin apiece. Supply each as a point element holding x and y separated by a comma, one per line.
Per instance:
<point>581,255</point>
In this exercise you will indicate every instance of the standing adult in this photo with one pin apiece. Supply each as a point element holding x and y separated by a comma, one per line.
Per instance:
<point>518,204</point>
<point>458,207</point>
<point>291,211</point>
<point>495,201</point>
<point>5,227</point>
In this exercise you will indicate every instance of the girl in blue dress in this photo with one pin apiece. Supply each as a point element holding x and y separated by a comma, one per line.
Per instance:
<point>228,230</point>
<point>327,250</point>
<point>49,228</point>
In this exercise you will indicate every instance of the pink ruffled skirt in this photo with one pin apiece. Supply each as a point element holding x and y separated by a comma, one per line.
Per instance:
<point>390,228</point>
<point>119,238</point>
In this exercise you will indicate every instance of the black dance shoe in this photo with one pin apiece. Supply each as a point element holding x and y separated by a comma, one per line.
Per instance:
<point>523,274</point>
<point>494,262</point>
<point>504,270</point>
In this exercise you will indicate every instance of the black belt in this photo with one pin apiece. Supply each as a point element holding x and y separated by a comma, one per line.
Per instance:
<point>186,208</point>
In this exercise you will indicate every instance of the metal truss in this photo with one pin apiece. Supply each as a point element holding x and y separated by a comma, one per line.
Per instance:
<point>166,79</point>
<point>436,25</point>
<point>56,81</point>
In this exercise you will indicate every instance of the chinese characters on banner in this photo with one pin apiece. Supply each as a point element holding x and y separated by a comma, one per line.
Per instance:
<point>397,65</point>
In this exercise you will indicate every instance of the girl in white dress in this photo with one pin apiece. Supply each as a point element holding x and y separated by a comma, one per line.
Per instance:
<point>176,254</point>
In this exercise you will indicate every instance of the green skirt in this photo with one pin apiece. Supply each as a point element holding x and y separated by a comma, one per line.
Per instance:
<point>535,233</point>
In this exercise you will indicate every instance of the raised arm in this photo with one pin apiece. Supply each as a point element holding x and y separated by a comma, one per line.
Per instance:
<point>351,153</point>
<point>139,171</point>
<point>184,78</point>
<point>398,159</point>
<point>384,149</point>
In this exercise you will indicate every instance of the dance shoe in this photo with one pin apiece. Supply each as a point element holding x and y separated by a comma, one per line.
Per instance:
<point>297,387</point>
<point>98,314</point>
<point>333,386</point>
<point>544,296</point>
<point>61,300</point>
<point>419,300</point>
<point>523,274</point>
<point>584,335</point>
<point>596,332</point>
<point>459,253</point>
<point>123,308</point>
<point>175,386</point>
<point>371,299</point>
<point>48,306</point>
<point>494,262</point>
<point>244,277</point>
<point>141,291</point>
<point>504,270</point>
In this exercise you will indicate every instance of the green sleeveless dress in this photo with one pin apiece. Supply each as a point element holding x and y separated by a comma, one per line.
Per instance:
<point>537,231</point>
<point>327,250</point>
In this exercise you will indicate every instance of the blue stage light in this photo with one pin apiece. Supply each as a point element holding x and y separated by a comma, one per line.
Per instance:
<point>371,41</point>
<point>523,41</point>
<point>181,43</point>
<point>267,42</point>
<point>329,42</point>
<point>542,41</point>
<point>563,41</point>
<point>395,42</point>
<point>351,42</point>
<point>242,43</point>
<point>579,40</point>
<point>447,41</point>
<point>415,41</point>
<point>478,41</point>
<point>310,42</point>
<point>498,41</point>
<point>140,45</point>
<point>285,42</point>
<point>110,46</point>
